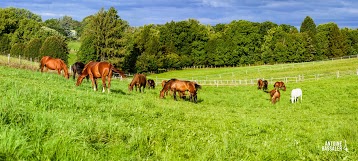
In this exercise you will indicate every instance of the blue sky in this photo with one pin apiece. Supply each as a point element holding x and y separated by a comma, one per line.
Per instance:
<point>142,12</point>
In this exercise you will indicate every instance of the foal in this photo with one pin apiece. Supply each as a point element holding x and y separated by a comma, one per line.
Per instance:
<point>275,95</point>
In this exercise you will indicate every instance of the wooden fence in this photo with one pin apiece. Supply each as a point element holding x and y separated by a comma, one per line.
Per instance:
<point>271,80</point>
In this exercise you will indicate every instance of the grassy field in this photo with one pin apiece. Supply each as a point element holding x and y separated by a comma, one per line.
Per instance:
<point>44,116</point>
<point>73,46</point>
<point>265,71</point>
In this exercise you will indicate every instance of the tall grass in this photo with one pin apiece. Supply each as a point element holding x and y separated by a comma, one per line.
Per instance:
<point>44,116</point>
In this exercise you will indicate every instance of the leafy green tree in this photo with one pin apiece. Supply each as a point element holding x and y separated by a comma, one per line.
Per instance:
<point>335,43</point>
<point>55,25</point>
<point>45,32</point>
<point>351,37</point>
<point>17,49</point>
<point>308,26</point>
<point>26,30</point>
<point>4,44</point>
<point>55,47</point>
<point>32,49</point>
<point>87,51</point>
<point>108,30</point>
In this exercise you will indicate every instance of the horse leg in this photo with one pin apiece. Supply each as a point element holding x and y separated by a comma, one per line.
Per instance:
<point>103,84</point>
<point>74,74</point>
<point>175,95</point>
<point>109,83</point>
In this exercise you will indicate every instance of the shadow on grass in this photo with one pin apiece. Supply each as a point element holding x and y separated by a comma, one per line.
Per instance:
<point>118,91</point>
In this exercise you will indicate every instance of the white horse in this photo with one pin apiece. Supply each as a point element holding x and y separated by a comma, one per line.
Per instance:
<point>295,93</point>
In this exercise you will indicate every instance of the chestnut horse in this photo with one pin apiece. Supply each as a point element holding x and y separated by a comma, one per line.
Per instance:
<point>77,68</point>
<point>54,64</point>
<point>139,80</point>
<point>260,84</point>
<point>181,86</point>
<point>151,83</point>
<point>280,85</point>
<point>275,95</point>
<point>99,70</point>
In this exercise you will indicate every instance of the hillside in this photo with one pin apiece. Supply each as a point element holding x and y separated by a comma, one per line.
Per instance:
<point>44,116</point>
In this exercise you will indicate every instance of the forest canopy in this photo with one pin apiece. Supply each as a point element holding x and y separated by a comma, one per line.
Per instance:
<point>105,36</point>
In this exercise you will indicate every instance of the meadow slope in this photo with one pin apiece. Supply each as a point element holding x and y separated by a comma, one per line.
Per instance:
<point>44,116</point>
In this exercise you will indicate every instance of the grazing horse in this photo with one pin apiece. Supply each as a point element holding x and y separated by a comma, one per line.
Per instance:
<point>99,70</point>
<point>280,85</point>
<point>139,80</point>
<point>77,68</point>
<point>181,86</point>
<point>295,93</point>
<point>54,64</point>
<point>260,84</point>
<point>151,83</point>
<point>265,85</point>
<point>275,95</point>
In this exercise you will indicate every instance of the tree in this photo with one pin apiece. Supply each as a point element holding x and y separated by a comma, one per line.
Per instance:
<point>4,44</point>
<point>330,40</point>
<point>55,47</point>
<point>87,51</point>
<point>17,49</point>
<point>108,30</point>
<point>32,49</point>
<point>308,26</point>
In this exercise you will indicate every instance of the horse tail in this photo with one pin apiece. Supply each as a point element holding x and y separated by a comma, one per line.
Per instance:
<point>118,71</point>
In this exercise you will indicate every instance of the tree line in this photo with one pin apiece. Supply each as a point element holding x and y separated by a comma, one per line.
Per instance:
<point>105,36</point>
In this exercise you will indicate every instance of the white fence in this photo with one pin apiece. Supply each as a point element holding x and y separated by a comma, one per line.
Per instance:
<point>271,80</point>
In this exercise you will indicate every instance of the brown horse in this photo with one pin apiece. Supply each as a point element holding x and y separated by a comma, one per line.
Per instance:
<point>99,70</point>
<point>181,94</point>
<point>139,80</point>
<point>151,83</point>
<point>77,68</point>
<point>181,86</point>
<point>280,85</point>
<point>265,85</point>
<point>54,64</point>
<point>260,84</point>
<point>275,95</point>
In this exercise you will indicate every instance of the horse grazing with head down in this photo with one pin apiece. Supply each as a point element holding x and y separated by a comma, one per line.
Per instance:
<point>265,85</point>
<point>275,95</point>
<point>99,70</point>
<point>139,80</point>
<point>151,83</point>
<point>176,85</point>
<point>77,68</point>
<point>54,64</point>
<point>295,94</point>
<point>280,85</point>
<point>260,84</point>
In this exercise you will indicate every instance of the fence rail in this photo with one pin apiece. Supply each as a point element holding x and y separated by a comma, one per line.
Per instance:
<point>271,80</point>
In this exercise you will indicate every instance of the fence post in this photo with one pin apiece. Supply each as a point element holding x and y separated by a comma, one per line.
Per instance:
<point>8,58</point>
<point>337,74</point>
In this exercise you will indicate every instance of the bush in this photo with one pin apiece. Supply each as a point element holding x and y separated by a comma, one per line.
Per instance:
<point>17,49</point>
<point>55,47</point>
<point>32,49</point>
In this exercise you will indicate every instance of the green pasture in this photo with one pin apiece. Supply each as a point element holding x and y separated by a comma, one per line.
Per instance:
<point>74,47</point>
<point>44,116</point>
<point>308,69</point>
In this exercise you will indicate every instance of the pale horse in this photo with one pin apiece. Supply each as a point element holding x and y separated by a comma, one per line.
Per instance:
<point>295,93</point>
